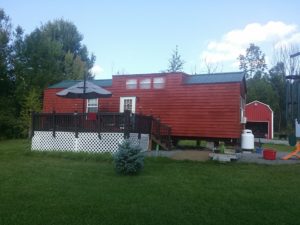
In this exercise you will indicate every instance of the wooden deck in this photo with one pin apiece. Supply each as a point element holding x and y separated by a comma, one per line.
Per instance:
<point>102,122</point>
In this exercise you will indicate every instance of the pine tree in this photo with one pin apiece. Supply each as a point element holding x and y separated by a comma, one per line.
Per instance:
<point>175,62</point>
<point>128,160</point>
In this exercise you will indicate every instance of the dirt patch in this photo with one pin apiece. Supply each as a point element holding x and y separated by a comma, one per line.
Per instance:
<point>191,155</point>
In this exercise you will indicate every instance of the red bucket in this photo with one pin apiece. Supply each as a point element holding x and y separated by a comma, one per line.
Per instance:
<point>269,154</point>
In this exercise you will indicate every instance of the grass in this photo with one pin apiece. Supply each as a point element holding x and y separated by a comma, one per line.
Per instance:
<point>70,188</point>
<point>183,144</point>
<point>282,148</point>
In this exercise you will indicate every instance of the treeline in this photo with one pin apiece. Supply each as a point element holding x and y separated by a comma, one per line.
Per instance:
<point>54,52</point>
<point>29,63</point>
<point>269,85</point>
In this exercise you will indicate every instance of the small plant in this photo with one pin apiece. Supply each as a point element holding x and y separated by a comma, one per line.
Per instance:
<point>222,147</point>
<point>128,160</point>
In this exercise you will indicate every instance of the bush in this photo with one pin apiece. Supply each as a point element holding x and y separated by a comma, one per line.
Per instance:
<point>128,160</point>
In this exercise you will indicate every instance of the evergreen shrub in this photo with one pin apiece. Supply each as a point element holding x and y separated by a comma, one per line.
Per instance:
<point>129,160</point>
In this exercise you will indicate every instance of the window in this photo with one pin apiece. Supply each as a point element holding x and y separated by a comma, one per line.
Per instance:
<point>127,103</point>
<point>92,105</point>
<point>131,84</point>
<point>145,83</point>
<point>242,109</point>
<point>158,82</point>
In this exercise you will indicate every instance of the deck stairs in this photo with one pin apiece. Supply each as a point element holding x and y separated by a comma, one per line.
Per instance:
<point>161,135</point>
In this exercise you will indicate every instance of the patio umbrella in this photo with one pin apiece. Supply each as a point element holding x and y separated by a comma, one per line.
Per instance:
<point>91,91</point>
<point>84,90</point>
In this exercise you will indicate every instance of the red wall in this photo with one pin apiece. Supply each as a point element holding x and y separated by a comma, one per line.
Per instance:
<point>259,112</point>
<point>194,110</point>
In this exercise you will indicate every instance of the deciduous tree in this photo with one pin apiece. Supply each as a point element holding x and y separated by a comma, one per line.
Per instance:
<point>5,53</point>
<point>54,52</point>
<point>253,63</point>
<point>29,63</point>
<point>7,100</point>
<point>278,82</point>
<point>31,103</point>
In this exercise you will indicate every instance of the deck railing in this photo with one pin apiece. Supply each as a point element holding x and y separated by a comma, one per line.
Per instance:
<point>161,132</point>
<point>102,122</point>
<point>91,122</point>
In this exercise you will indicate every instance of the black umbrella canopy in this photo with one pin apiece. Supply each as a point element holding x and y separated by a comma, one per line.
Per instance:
<point>87,91</point>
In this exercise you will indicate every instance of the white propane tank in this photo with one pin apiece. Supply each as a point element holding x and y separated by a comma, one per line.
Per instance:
<point>247,140</point>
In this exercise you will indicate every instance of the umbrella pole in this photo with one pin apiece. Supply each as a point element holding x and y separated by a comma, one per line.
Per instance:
<point>84,91</point>
<point>83,105</point>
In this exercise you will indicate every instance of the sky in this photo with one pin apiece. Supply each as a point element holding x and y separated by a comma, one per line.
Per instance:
<point>133,36</point>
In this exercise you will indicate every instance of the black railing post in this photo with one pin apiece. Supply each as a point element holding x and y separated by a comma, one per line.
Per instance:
<point>99,124</point>
<point>126,124</point>
<point>76,124</point>
<point>169,138</point>
<point>138,125</point>
<point>32,128</point>
<point>53,124</point>
<point>150,119</point>
<point>158,129</point>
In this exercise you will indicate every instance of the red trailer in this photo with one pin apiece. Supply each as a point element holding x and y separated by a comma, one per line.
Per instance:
<point>260,119</point>
<point>209,106</point>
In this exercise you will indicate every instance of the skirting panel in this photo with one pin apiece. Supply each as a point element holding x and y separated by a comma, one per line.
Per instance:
<point>86,142</point>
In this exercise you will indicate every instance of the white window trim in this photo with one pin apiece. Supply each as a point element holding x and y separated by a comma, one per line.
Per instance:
<point>88,105</point>
<point>122,103</point>
<point>242,110</point>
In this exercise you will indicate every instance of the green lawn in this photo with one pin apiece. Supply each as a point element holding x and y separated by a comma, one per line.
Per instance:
<point>38,188</point>
<point>182,144</point>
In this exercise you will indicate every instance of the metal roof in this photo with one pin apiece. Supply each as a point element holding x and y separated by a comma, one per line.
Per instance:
<point>214,78</point>
<point>189,79</point>
<point>69,83</point>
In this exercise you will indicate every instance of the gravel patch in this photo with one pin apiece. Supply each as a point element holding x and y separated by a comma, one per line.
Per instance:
<point>271,141</point>
<point>258,158</point>
<point>194,155</point>
<point>203,155</point>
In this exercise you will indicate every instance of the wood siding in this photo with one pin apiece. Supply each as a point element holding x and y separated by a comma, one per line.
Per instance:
<point>259,112</point>
<point>194,110</point>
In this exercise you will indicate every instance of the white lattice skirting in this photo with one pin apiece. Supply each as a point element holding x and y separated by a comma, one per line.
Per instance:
<point>86,142</point>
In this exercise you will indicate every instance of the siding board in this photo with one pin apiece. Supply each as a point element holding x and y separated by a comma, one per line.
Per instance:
<point>198,110</point>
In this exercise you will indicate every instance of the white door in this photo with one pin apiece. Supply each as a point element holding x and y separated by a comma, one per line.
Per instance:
<point>127,103</point>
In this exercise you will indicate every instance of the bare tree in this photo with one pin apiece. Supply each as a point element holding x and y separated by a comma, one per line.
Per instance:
<point>287,90</point>
<point>121,72</point>
<point>211,67</point>
<point>194,70</point>
<point>207,67</point>
<point>282,54</point>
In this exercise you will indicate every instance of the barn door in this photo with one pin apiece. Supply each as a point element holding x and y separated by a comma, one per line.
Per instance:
<point>127,103</point>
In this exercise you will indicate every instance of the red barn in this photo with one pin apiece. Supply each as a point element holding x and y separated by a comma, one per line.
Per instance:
<point>207,106</point>
<point>259,119</point>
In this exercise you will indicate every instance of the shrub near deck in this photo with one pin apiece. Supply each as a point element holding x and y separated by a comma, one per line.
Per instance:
<point>128,159</point>
<point>38,188</point>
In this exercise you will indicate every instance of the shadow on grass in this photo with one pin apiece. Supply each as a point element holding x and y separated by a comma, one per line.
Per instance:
<point>80,156</point>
